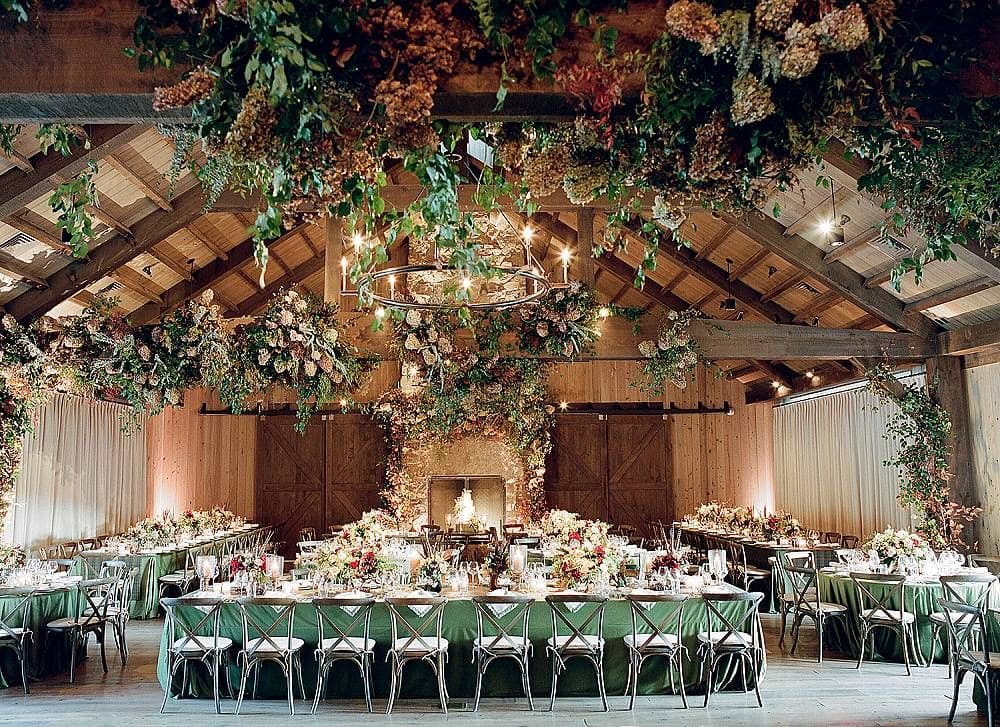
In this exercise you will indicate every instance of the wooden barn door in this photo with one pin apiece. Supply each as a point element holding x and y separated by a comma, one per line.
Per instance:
<point>355,467</point>
<point>576,474</point>
<point>638,470</point>
<point>290,483</point>
<point>614,468</point>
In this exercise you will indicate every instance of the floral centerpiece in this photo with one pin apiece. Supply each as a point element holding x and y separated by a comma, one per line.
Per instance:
<point>370,529</point>
<point>342,561</point>
<point>779,524</point>
<point>152,532</point>
<point>586,559</point>
<point>891,545</point>
<point>432,571</point>
<point>560,523</point>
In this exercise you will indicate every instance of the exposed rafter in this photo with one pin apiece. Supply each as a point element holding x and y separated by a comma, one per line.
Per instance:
<point>143,185</point>
<point>951,294</point>
<point>807,257</point>
<point>109,256</point>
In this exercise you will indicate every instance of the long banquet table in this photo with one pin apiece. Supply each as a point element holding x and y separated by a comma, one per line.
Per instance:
<point>152,566</point>
<point>502,679</point>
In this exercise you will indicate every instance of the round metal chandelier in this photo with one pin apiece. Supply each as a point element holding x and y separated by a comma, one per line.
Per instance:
<point>432,285</point>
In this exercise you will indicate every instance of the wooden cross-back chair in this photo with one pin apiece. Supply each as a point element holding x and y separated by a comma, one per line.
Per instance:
<point>268,645</point>
<point>422,620</point>
<point>728,636</point>
<point>880,615</point>
<point>972,589</point>
<point>344,642</point>
<point>91,604</point>
<point>585,639</point>
<point>189,644</point>
<point>14,631</point>
<point>658,635</point>
<point>809,603</point>
<point>502,633</point>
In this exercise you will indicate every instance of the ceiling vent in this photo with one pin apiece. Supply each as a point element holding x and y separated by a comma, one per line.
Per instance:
<point>807,288</point>
<point>19,239</point>
<point>110,288</point>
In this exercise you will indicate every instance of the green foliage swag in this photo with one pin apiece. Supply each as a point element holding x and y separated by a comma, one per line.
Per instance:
<point>922,428</point>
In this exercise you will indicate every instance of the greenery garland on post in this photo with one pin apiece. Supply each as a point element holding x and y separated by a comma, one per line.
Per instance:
<point>921,427</point>
<point>672,357</point>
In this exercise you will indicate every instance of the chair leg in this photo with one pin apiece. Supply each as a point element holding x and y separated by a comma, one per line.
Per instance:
<point>756,684</point>
<point>680,679</point>
<point>599,668</point>
<point>555,682</point>
<point>864,640</point>
<point>185,676</point>
<point>215,682</point>
<point>171,666</point>
<point>22,654</point>
<point>480,670</point>
<point>635,666</point>
<point>289,670</point>
<point>796,627</point>
<point>320,674</point>
<point>442,689</point>
<point>297,660</point>
<point>366,675</point>
<point>394,678</point>
<point>244,678</point>
<point>903,637</point>
<point>959,675</point>
<point>72,656</point>
<point>784,622</point>
<point>708,677</point>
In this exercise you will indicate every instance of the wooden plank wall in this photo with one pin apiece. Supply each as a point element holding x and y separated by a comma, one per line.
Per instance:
<point>983,394</point>
<point>197,461</point>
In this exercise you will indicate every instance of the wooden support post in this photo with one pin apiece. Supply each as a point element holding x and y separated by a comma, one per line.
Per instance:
<point>333,273</point>
<point>945,380</point>
<point>585,246</point>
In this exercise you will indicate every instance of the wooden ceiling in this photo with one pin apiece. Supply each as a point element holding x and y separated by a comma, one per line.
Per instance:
<point>157,247</point>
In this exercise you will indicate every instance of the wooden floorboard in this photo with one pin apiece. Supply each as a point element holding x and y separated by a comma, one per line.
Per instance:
<point>797,692</point>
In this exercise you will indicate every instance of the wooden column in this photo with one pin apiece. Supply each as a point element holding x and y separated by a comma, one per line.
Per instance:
<point>946,373</point>
<point>334,251</point>
<point>585,245</point>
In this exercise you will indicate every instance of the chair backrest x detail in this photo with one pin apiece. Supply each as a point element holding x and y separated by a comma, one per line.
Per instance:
<point>279,616</point>
<point>502,621</point>
<point>586,620</point>
<point>16,617</point>
<point>655,615</point>
<point>420,619</point>
<point>893,587</point>
<point>333,613</point>
<point>967,630</point>
<point>186,635</point>
<point>734,627</point>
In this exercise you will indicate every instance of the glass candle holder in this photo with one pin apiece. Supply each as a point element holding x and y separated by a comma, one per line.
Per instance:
<point>207,567</point>
<point>518,559</point>
<point>274,567</point>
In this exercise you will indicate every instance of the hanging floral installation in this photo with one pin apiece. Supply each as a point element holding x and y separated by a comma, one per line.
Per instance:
<point>297,345</point>
<point>922,427</point>
<point>711,104</point>
<point>672,357</point>
<point>564,323</point>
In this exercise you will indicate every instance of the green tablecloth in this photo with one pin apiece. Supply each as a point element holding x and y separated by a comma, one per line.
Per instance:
<point>152,566</point>
<point>502,679</point>
<point>844,634</point>
<point>45,607</point>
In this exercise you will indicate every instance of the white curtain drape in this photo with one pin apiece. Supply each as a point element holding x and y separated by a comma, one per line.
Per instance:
<point>80,475</point>
<point>828,462</point>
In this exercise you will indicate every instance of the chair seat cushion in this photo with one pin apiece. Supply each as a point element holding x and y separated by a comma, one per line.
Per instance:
<point>173,578</point>
<point>402,646</point>
<point>752,572</point>
<point>725,639</point>
<point>190,646</point>
<point>18,633</point>
<point>499,644</point>
<point>886,615</point>
<point>587,643</point>
<point>939,618</point>
<point>63,624</point>
<point>658,642</point>
<point>349,645</point>
<point>263,646</point>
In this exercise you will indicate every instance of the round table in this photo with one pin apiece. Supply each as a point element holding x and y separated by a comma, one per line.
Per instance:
<point>921,594</point>
<point>47,605</point>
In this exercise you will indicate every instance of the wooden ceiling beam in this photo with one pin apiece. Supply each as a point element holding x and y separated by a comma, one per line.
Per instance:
<point>714,276</point>
<point>971,339</point>
<point>948,295</point>
<point>787,284</point>
<point>168,260</point>
<point>853,245</point>
<point>620,269</point>
<point>143,185</point>
<point>109,256</point>
<point>18,189</point>
<point>19,160</point>
<point>749,264</point>
<point>809,259</point>
<point>819,304</point>
<point>256,302</point>
<point>717,240</point>
<point>138,284</point>
<point>205,240</point>
<point>204,278</point>
<point>10,265</point>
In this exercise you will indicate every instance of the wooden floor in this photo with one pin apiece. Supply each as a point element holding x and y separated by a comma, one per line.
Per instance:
<point>797,692</point>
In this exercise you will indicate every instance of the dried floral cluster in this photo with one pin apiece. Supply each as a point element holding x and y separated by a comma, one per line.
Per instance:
<point>672,357</point>
<point>296,344</point>
<point>564,323</point>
